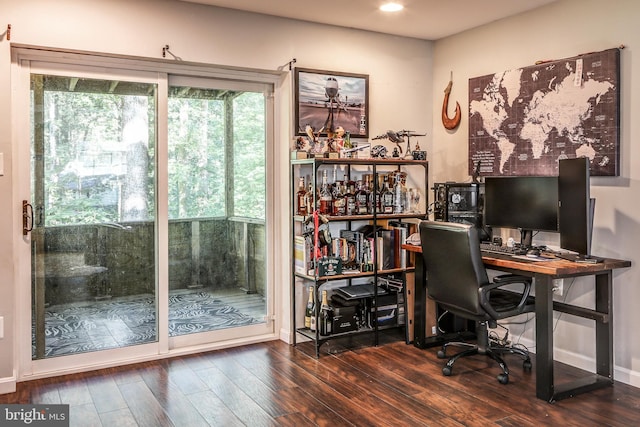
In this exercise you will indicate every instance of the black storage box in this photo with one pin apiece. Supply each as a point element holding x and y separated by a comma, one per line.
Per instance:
<point>345,319</point>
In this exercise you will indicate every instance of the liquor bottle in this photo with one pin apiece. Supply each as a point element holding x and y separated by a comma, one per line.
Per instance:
<point>398,195</point>
<point>314,318</point>
<point>350,197</point>
<point>301,202</point>
<point>376,190</point>
<point>309,311</point>
<point>325,196</point>
<point>339,202</point>
<point>362,199</point>
<point>368,188</point>
<point>310,199</point>
<point>326,316</point>
<point>386,197</point>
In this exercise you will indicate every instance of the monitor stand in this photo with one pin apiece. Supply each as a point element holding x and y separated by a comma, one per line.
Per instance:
<point>526,238</point>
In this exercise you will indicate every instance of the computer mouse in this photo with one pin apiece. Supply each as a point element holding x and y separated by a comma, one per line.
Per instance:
<point>533,253</point>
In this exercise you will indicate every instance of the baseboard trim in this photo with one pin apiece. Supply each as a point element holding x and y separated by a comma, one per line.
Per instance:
<point>588,364</point>
<point>627,376</point>
<point>8,384</point>
<point>285,335</point>
<point>184,351</point>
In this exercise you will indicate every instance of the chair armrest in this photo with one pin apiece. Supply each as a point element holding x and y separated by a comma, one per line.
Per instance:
<point>498,282</point>
<point>504,279</point>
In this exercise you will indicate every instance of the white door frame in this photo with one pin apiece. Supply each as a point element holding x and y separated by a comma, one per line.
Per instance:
<point>28,60</point>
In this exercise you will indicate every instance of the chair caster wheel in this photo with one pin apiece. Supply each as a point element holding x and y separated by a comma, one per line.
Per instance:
<point>503,379</point>
<point>446,371</point>
<point>441,354</point>
<point>526,365</point>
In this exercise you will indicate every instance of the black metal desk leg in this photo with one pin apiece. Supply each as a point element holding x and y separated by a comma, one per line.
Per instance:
<point>604,330</point>
<point>544,337</point>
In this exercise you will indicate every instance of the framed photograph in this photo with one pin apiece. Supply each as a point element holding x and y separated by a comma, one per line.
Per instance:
<point>327,100</point>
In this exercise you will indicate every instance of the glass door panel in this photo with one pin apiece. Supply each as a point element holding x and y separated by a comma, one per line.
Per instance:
<point>217,174</point>
<point>93,197</point>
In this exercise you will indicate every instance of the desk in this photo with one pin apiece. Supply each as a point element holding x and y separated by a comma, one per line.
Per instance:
<point>543,273</point>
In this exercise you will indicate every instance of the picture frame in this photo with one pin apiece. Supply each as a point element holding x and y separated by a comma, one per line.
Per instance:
<point>327,100</point>
<point>535,122</point>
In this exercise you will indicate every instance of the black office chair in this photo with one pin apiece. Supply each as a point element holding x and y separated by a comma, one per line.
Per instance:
<point>457,280</point>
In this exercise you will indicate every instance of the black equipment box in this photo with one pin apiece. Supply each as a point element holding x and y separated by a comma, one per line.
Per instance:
<point>345,319</point>
<point>459,202</point>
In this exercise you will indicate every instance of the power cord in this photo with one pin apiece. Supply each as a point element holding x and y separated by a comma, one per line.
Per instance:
<point>529,318</point>
<point>438,321</point>
<point>564,299</point>
<point>503,342</point>
<point>497,340</point>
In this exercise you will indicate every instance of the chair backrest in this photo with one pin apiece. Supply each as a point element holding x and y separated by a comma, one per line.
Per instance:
<point>453,264</point>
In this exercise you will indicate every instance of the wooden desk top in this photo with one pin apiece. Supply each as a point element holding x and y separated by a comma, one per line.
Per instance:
<point>554,267</point>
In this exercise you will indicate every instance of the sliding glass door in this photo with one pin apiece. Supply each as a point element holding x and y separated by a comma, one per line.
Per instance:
<point>146,215</point>
<point>217,205</point>
<point>93,202</point>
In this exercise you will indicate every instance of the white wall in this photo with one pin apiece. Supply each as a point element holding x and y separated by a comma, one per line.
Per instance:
<point>563,29</point>
<point>399,69</point>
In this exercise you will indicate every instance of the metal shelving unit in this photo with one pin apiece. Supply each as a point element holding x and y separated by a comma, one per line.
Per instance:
<point>352,168</point>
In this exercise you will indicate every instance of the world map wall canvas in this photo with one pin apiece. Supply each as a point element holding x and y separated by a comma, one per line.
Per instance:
<point>522,121</point>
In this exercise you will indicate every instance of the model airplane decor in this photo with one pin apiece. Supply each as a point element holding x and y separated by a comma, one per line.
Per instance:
<point>399,138</point>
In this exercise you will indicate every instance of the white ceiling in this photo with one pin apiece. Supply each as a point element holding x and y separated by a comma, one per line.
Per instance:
<point>423,19</point>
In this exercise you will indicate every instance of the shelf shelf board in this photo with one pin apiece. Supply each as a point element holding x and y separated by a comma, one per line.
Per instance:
<point>308,333</point>
<point>321,338</point>
<point>365,162</point>
<point>337,218</point>
<point>353,275</point>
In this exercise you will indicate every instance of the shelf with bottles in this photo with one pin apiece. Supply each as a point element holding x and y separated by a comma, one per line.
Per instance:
<point>369,217</point>
<point>342,312</point>
<point>392,161</point>
<point>364,190</point>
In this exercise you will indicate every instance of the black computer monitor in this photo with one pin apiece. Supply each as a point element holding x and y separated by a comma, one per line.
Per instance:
<point>527,203</point>
<point>576,208</point>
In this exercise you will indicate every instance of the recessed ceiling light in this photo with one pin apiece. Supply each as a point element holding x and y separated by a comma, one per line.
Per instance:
<point>391,7</point>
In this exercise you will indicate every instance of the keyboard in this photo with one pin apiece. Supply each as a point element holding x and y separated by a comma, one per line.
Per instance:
<point>490,247</point>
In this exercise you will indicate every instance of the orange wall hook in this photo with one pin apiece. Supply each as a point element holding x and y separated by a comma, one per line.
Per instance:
<point>450,123</point>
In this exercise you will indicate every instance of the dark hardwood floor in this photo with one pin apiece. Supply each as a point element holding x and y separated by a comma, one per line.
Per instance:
<point>273,383</point>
